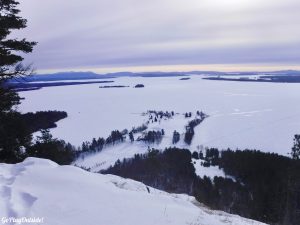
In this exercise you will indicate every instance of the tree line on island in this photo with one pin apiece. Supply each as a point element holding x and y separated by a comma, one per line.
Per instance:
<point>189,134</point>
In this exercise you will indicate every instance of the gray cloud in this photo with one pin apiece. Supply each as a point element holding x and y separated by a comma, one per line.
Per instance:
<point>120,33</point>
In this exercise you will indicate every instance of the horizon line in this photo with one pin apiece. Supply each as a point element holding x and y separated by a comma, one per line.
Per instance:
<point>175,68</point>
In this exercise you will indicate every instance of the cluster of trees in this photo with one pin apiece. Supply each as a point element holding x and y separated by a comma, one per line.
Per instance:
<point>42,119</point>
<point>160,114</point>
<point>170,170</point>
<point>131,136</point>
<point>188,115</point>
<point>152,136</point>
<point>266,186</point>
<point>211,158</point>
<point>139,129</point>
<point>14,136</point>
<point>198,113</point>
<point>197,155</point>
<point>113,86</point>
<point>189,134</point>
<point>51,148</point>
<point>155,116</point>
<point>176,137</point>
<point>267,177</point>
<point>201,114</point>
<point>97,145</point>
<point>16,130</point>
<point>115,137</point>
<point>139,86</point>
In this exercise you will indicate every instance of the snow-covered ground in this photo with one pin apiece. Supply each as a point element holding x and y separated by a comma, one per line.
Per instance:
<point>67,195</point>
<point>264,116</point>
<point>127,149</point>
<point>211,172</point>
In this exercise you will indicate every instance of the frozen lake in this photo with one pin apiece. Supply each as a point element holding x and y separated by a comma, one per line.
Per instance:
<point>252,115</point>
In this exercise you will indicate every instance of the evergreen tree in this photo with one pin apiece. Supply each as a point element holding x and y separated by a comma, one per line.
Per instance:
<point>13,134</point>
<point>131,137</point>
<point>51,148</point>
<point>176,137</point>
<point>10,63</point>
<point>296,148</point>
<point>195,155</point>
<point>45,137</point>
<point>188,137</point>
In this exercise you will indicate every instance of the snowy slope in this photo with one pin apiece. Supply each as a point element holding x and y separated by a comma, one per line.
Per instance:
<point>66,195</point>
<point>110,154</point>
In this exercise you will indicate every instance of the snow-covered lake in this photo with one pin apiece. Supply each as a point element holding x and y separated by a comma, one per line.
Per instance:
<point>251,115</point>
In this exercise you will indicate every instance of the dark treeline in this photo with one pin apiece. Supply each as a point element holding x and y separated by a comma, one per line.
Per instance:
<point>264,187</point>
<point>113,86</point>
<point>139,129</point>
<point>97,145</point>
<point>170,170</point>
<point>189,134</point>
<point>16,134</point>
<point>176,137</point>
<point>117,137</point>
<point>160,114</point>
<point>157,116</point>
<point>288,78</point>
<point>139,86</point>
<point>51,148</point>
<point>152,136</point>
<point>27,85</point>
<point>42,120</point>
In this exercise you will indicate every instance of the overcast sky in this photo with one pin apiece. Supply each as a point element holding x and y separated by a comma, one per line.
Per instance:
<point>116,35</point>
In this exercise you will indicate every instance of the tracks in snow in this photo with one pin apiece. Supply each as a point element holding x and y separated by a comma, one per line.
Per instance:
<point>16,202</point>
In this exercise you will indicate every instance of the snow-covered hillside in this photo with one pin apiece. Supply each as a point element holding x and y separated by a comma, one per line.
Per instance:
<point>127,149</point>
<point>102,160</point>
<point>67,195</point>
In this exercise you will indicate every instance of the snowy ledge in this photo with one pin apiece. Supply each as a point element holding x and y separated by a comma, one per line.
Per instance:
<point>69,195</point>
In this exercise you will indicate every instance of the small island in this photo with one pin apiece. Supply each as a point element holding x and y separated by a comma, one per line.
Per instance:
<point>139,86</point>
<point>113,86</point>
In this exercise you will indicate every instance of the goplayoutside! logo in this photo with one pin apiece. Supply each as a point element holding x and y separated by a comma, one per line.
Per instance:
<point>22,220</point>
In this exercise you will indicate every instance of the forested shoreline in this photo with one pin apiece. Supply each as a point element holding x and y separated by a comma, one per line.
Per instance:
<point>265,186</point>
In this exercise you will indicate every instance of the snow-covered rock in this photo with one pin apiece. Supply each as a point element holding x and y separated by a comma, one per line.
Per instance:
<point>67,195</point>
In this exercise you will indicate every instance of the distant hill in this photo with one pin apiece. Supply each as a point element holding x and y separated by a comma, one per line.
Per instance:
<point>66,76</point>
<point>91,75</point>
